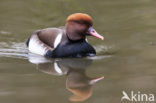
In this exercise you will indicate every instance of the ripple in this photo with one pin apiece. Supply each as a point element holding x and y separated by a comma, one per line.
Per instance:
<point>105,50</point>
<point>100,57</point>
<point>5,32</point>
<point>6,93</point>
<point>13,49</point>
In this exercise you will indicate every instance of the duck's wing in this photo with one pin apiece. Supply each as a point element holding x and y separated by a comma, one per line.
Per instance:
<point>43,41</point>
<point>51,36</point>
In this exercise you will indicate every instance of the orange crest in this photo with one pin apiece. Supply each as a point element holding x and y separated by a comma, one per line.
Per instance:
<point>80,17</point>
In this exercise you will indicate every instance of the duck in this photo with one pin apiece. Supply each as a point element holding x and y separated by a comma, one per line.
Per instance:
<point>66,41</point>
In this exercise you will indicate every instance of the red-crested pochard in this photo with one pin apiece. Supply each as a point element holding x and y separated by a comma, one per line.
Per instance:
<point>68,41</point>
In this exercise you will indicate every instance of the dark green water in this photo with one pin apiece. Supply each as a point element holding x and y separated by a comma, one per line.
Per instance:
<point>126,58</point>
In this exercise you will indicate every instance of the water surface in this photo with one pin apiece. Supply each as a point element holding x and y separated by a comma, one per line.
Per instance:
<point>126,58</point>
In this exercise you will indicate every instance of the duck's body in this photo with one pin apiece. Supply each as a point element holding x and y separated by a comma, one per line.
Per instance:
<point>68,41</point>
<point>53,42</point>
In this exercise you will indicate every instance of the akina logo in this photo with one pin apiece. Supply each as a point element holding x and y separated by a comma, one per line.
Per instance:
<point>138,97</point>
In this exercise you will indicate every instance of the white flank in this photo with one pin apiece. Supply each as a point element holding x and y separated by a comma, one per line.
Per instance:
<point>36,47</point>
<point>57,40</point>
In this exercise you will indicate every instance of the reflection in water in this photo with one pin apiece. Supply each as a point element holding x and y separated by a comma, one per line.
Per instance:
<point>77,81</point>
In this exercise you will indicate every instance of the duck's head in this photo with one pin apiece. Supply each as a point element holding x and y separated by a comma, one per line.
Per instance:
<point>80,25</point>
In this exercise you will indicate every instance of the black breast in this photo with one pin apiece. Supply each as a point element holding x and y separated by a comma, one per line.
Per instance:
<point>74,49</point>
